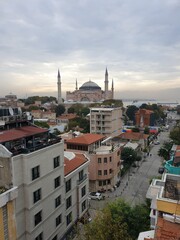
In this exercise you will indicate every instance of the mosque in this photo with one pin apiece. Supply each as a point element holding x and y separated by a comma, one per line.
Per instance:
<point>88,92</point>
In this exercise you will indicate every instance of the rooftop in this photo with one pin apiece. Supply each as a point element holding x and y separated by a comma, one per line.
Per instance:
<point>73,161</point>
<point>86,139</point>
<point>133,136</point>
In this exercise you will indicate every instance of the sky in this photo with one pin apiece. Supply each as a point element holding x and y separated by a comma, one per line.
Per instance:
<point>137,40</point>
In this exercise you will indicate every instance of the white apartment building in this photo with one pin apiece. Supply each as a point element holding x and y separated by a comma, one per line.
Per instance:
<point>76,187</point>
<point>106,121</point>
<point>32,162</point>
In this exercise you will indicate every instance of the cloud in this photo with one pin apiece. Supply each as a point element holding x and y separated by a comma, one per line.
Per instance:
<point>139,42</point>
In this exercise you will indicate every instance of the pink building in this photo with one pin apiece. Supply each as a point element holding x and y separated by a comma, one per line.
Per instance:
<point>104,158</point>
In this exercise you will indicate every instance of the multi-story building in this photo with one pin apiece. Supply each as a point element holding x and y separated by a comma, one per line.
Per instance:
<point>165,208</point>
<point>106,121</point>
<point>104,158</point>
<point>76,187</point>
<point>32,160</point>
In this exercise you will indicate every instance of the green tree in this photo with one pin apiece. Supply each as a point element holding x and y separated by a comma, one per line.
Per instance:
<point>164,151</point>
<point>129,156</point>
<point>175,135</point>
<point>71,110</point>
<point>85,111</point>
<point>130,112</point>
<point>119,221</point>
<point>106,226</point>
<point>60,109</point>
<point>146,130</point>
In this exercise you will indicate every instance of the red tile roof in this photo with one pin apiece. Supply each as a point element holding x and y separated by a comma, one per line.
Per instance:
<point>17,133</point>
<point>86,139</point>
<point>133,135</point>
<point>71,165</point>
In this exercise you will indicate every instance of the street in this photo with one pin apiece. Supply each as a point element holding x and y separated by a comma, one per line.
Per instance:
<point>135,183</point>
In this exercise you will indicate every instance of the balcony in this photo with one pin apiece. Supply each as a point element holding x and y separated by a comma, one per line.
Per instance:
<point>82,179</point>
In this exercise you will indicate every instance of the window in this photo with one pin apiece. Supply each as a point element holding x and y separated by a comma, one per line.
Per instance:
<point>58,201</point>
<point>58,220</point>
<point>37,195</point>
<point>68,202</point>
<point>110,159</point>
<point>100,183</point>
<point>83,191</point>
<point>81,174</point>
<point>39,237</point>
<point>99,160</point>
<point>105,172</point>
<point>68,185</point>
<point>104,182</point>
<point>110,170</point>
<point>35,173</point>
<point>83,206</point>
<point>99,172</point>
<point>56,161</point>
<point>37,218</point>
<point>57,182</point>
<point>105,160</point>
<point>69,218</point>
<point>108,181</point>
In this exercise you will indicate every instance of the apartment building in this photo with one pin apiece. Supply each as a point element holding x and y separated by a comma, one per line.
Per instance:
<point>32,161</point>
<point>104,166</point>
<point>76,187</point>
<point>165,208</point>
<point>106,121</point>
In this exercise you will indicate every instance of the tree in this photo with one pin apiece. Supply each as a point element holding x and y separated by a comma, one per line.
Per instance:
<point>106,226</point>
<point>164,151</point>
<point>146,130</point>
<point>60,109</point>
<point>130,112</point>
<point>119,221</point>
<point>175,135</point>
<point>71,110</point>
<point>129,156</point>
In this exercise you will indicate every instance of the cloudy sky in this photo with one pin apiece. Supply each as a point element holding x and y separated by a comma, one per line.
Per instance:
<point>138,41</point>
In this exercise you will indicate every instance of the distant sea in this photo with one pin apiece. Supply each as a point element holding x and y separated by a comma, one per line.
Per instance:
<point>139,102</point>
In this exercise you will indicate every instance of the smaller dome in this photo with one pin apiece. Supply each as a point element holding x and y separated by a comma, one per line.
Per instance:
<point>90,86</point>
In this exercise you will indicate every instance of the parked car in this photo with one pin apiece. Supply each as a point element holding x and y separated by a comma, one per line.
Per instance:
<point>161,170</point>
<point>96,195</point>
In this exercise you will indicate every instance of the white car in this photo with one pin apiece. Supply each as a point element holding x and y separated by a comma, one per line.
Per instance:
<point>96,195</point>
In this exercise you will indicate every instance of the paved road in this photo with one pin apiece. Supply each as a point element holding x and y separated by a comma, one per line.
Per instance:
<point>135,183</point>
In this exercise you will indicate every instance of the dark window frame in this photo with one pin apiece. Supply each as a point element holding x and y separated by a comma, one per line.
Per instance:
<point>57,201</point>
<point>57,182</point>
<point>56,161</point>
<point>37,218</point>
<point>37,195</point>
<point>35,171</point>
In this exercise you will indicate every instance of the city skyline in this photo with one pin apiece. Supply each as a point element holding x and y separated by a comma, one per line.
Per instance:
<point>138,41</point>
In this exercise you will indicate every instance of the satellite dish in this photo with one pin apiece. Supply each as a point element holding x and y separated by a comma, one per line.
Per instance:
<point>11,111</point>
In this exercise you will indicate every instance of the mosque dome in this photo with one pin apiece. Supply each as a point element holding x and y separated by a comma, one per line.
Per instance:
<point>90,86</point>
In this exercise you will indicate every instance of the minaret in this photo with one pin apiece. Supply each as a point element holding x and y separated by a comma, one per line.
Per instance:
<point>59,88</point>
<point>76,84</point>
<point>106,82</point>
<point>112,89</point>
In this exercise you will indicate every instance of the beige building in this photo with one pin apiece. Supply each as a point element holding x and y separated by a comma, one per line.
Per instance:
<point>106,121</point>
